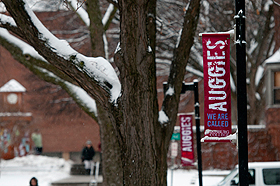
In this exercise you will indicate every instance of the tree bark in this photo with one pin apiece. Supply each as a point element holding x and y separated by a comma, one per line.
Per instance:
<point>96,28</point>
<point>134,142</point>
<point>143,154</point>
<point>111,150</point>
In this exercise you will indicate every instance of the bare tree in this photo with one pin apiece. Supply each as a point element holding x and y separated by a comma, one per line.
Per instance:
<point>134,133</point>
<point>218,16</point>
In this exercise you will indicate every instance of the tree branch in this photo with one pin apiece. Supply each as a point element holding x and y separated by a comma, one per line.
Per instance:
<point>79,11</point>
<point>27,55</point>
<point>112,13</point>
<point>8,23</point>
<point>181,56</point>
<point>263,36</point>
<point>95,75</point>
<point>114,2</point>
<point>96,28</point>
<point>49,73</point>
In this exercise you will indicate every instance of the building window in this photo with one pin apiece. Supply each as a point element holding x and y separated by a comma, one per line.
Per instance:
<point>276,88</point>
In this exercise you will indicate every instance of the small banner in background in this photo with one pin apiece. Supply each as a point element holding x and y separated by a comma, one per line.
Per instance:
<point>187,151</point>
<point>217,92</point>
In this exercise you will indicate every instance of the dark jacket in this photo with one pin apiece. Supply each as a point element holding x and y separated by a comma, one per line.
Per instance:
<point>88,153</point>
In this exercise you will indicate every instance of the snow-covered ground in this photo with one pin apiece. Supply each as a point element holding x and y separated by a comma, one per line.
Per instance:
<point>18,172</point>
<point>190,177</point>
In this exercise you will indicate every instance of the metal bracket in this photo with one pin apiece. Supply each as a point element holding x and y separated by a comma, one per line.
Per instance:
<point>239,18</point>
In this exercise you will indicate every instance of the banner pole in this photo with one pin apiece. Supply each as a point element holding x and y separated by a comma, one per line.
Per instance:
<point>197,121</point>
<point>172,171</point>
<point>241,92</point>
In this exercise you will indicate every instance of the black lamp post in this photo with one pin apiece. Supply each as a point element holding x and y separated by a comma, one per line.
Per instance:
<point>194,87</point>
<point>241,92</point>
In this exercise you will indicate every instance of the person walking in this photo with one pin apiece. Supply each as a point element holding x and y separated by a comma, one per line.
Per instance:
<point>38,142</point>
<point>33,182</point>
<point>87,155</point>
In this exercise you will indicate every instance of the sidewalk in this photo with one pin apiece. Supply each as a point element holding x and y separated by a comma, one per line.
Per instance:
<point>78,180</point>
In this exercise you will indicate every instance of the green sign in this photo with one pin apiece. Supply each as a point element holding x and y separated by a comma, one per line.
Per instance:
<point>175,136</point>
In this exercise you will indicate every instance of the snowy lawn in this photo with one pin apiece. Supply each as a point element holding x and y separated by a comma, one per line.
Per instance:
<point>18,172</point>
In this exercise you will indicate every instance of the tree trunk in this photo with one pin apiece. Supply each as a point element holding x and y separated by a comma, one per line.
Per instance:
<point>111,160</point>
<point>96,28</point>
<point>134,142</point>
<point>144,152</point>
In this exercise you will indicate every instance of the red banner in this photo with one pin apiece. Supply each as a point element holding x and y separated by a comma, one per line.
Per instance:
<point>217,92</point>
<point>187,152</point>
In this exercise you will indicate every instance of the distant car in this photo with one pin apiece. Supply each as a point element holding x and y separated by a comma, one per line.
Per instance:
<point>261,174</point>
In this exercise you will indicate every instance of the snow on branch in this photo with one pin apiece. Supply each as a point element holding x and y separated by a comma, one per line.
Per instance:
<point>259,75</point>
<point>97,68</point>
<point>83,97</point>
<point>80,11</point>
<point>114,2</point>
<point>76,92</point>
<point>278,4</point>
<point>162,118</point>
<point>232,84</point>
<point>194,71</point>
<point>85,18</point>
<point>84,15</point>
<point>4,19</point>
<point>170,91</point>
<point>79,94</point>
<point>106,17</point>
<point>25,48</point>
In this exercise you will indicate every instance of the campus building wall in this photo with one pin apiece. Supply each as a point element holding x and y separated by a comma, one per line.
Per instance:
<point>225,155</point>
<point>64,126</point>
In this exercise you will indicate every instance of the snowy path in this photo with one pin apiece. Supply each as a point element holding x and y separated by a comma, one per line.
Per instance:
<point>19,171</point>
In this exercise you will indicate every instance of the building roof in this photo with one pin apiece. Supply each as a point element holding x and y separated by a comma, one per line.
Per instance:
<point>275,58</point>
<point>12,86</point>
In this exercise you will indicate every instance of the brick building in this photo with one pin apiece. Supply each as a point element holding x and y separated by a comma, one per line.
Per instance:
<point>64,126</point>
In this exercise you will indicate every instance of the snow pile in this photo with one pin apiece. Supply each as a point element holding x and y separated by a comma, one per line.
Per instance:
<point>20,170</point>
<point>35,163</point>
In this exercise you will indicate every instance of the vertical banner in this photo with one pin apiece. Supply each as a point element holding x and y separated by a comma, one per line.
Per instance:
<point>217,92</point>
<point>187,152</point>
<point>174,149</point>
